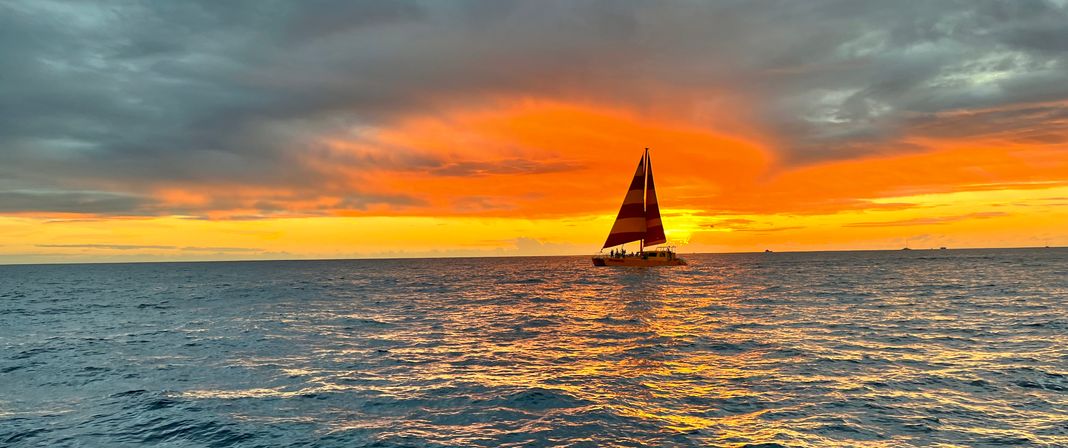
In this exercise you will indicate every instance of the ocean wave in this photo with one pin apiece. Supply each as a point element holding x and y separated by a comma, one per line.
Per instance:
<point>799,350</point>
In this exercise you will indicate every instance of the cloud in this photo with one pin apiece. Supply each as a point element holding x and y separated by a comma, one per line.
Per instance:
<point>94,202</point>
<point>106,246</point>
<point>928,220</point>
<point>219,249</point>
<point>769,229</point>
<point>534,246</point>
<point>733,223</point>
<point>506,167</point>
<point>125,247</point>
<point>103,105</point>
<point>748,225</point>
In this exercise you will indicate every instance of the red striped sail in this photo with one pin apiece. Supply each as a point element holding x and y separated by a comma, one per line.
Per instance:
<point>630,222</point>
<point>654,228</point>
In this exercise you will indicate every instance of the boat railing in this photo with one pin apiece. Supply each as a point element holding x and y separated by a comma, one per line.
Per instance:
<point>668,250</point>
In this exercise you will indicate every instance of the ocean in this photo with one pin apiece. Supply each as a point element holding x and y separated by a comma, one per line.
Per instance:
<point>861,349</point>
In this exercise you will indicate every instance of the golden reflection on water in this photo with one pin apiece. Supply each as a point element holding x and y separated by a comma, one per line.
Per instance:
<point>612,349</point>
<point>653,323</point>
<point>651,345</point>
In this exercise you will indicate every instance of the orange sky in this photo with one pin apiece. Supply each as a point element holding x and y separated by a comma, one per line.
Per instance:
<point>533,176</point>
<point>144,132</point>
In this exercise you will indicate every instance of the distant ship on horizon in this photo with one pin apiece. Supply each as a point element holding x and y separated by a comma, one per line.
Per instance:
<point>638,220</point>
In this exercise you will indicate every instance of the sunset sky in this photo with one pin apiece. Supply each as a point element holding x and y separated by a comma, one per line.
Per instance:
<point>138,131</point>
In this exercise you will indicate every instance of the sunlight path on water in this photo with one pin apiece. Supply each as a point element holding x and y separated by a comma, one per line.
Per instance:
<point>870,349</point>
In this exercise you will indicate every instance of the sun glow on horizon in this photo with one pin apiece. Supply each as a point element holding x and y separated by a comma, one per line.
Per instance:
<point>939,220</point>
<point>544,177</point>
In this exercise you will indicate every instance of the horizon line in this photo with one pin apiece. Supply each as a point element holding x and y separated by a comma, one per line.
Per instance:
<point>446,257</point>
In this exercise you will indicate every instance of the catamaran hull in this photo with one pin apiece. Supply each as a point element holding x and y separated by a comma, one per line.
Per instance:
<point>637,262</point>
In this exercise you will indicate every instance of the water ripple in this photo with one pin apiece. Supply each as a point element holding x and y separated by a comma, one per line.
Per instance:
<point>876,349</point>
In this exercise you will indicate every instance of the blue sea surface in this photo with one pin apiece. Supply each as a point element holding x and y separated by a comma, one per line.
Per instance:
<point>865,349</point>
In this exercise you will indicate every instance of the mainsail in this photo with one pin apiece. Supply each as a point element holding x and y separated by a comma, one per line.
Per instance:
<point>639,217</point>
<point>654,228</point>
<point>630,222</point>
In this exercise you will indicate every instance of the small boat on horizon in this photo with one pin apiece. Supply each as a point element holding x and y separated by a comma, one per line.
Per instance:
<point>638,220</point>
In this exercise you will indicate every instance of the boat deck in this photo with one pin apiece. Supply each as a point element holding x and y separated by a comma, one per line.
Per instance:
<point>658,258</point>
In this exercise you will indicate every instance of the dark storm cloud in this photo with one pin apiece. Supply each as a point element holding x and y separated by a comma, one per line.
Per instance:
<point>69,201</point>
<point>122,96</point>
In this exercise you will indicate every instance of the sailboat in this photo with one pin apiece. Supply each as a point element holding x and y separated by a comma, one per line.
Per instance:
<point>639,220</point>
